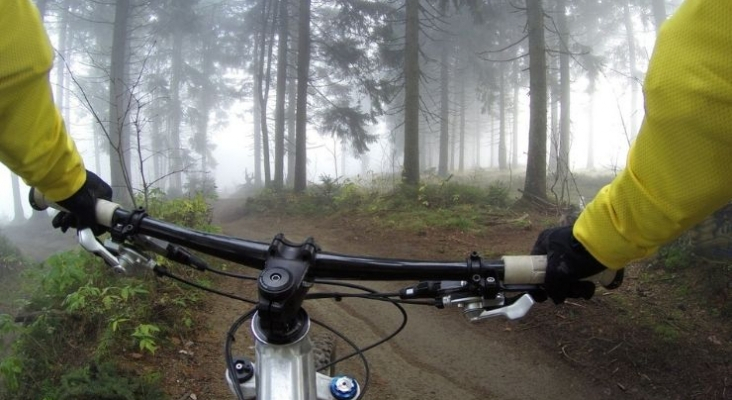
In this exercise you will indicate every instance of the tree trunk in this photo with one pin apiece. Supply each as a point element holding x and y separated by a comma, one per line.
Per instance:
<point>19,214</point>
<point>444,100</point>
<point>478,133</point>
<point>303,70</point>
<point>591,128</point>
<point>564,97</point>
<point>257,120</point>
<point>291,130</point>
<point>98,135</point>
<point>410,173</point>
<point>453,137</point>
<point>461,164</point>
<point>535,184</point>
<point>515,132</point>
<point>157,139</point>
<point>279,156</point>
<point>502,164</point>
<point>118,108</point>
<point>175,187</point>
<point>553,117</point>
<point>60,88</point>
<point>292,96</point>
<point>204,109</point>
<point>263,84</point>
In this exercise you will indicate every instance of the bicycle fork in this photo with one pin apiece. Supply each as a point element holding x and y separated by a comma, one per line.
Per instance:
<point>287,372</point>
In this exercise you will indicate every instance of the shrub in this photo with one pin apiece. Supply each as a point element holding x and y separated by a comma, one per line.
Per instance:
<point>11,260</point>
<point>81,304</point>
<point>193,212</point>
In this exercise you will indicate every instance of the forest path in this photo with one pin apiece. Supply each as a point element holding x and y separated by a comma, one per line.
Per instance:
<point>438,356</point>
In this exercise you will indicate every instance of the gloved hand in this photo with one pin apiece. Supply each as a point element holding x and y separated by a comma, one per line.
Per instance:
<point>567,263</point>
<point>81,205</point>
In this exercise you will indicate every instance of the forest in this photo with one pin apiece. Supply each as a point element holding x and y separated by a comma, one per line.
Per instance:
<point>306,89</point>
<point>393,128</point>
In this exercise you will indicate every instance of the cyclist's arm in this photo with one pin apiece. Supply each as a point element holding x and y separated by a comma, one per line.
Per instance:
<point>679,169</point>
<point>33,139</point>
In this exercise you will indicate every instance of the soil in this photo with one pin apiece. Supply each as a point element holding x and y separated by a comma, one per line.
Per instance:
<point>638,342</point>
<point>602,348</point>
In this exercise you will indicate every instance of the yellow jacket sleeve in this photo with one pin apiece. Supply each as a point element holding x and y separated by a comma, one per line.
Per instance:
<point>679,169</point>
<point>33,139</point>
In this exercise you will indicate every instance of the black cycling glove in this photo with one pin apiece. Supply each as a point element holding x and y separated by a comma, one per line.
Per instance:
<point>81,205</point>
<point>567,263</point>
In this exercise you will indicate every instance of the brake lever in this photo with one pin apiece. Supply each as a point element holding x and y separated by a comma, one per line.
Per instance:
<point>89,242</point>
<point>516,310</point>
<point>477,309</point>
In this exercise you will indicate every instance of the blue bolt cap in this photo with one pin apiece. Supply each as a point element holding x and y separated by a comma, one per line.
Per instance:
<point>343,388</point>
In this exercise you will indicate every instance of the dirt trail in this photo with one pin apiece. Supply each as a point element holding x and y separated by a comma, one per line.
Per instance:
<point>438,356</point>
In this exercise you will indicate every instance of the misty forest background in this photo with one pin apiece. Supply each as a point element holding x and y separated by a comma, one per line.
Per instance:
<point>147,84</point>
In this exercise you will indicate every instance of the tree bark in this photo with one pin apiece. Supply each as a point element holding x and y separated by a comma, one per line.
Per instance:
<point>535,184</point>
<point>279,156</point>
<point>564,97</point>
<point>303,70</point>
<point>175,187</point>
<point>291,130</point>
<point>514,134</point>
<point>461,163</point>
<point>502,164</point>
<point>410,173</point>
<point>444,100</point>
<point>19,214</point>
<point>119,158</point>
<point>263,84</point>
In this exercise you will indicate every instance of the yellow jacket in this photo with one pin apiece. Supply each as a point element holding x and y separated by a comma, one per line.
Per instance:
<point>33,139</point>
<point>679,169</point>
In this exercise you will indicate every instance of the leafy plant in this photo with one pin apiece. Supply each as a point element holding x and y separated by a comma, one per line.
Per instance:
<point>194,212</point>
<point>103,382</point>
<point>81,304</point>
<point>145,335</point>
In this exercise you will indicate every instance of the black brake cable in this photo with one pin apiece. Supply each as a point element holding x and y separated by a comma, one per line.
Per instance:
<point>396,304</point>
<point>372,294</point>
<point>230,338</point>
<point>162,271</point>
<point>387,297</point>
<point>357,351</point>
<point>232,275</point>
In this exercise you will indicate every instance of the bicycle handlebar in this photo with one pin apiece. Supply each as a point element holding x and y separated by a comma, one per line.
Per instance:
<point>519,271</point>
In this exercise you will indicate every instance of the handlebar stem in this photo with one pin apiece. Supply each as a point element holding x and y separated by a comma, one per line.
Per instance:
<point>282,288</point>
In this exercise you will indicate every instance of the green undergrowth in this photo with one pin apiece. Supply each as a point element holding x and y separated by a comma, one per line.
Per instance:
<point>433,204</point>
<point>87,333</point>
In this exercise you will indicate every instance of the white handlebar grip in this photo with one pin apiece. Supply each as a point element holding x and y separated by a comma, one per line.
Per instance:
<point>104,210</point>
<point>531,270</point>
<point>524,270</point>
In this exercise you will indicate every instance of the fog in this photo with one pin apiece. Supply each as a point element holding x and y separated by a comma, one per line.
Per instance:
<point>205,94</point>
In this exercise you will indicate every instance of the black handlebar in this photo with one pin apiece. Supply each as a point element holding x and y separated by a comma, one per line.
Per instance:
<point>515,272</point>
<point>325,266</point>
